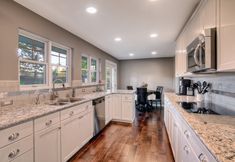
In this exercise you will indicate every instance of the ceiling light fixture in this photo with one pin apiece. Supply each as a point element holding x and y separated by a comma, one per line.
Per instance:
<point>91,10</point>
<point>118,39</point>
<point>154,35</point>
<point>154,53</point>
<point>131,54</point>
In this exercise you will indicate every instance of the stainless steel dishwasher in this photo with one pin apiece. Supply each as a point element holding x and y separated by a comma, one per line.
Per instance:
<point>99,114</point>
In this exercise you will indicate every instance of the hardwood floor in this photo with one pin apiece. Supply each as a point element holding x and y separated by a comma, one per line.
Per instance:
<point>145,141</point>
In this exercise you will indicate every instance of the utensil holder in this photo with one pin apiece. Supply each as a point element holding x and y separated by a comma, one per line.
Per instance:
<point>200,97</point>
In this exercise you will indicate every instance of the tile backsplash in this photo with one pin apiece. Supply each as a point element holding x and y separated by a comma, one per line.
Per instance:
<point>222,90</point>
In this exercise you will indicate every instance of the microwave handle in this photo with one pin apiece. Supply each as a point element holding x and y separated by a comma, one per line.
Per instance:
<point>196,55</point>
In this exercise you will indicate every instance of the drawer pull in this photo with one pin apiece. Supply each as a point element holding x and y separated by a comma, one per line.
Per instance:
<point>80,117</point>
<point>186,149</point>
<point>48,123</point>
<point>14,153</point>
<point>202,158</point>
<point>71,113</point>
<point>187,134</point>
<point>13,136</point>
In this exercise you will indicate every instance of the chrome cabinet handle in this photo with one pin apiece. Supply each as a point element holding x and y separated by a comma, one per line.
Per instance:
<point>186,149</point>
<point>187,134</point>
<point>14,153</point>
<point>13,136</point>
<point>202,158</point>
<point>196,55</point>
<point>49,123</point>
<point>71,113</point>
<point>80,117</point>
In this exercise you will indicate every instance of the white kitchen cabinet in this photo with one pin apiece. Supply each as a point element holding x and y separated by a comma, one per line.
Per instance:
<point>117,107</point>
<point>185,144</point>
<point>76,129</point>
<point>47,140</point>
<point>26,157</point>
<point>108,109</point>
<point>128,113</point>
<point>226,35</point>
<point>70,137</point>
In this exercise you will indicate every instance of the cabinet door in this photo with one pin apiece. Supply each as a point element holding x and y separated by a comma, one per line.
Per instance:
<point>47,145</point>
<point>226,55</point>
<point>26,157</point>
<point>117,107</point>
<point>86,126</point>
<point>70,137</point>
<point>127,110</point>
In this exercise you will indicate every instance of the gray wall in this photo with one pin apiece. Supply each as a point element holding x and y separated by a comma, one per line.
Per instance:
<point>155,72</point>
<point>13,16</point>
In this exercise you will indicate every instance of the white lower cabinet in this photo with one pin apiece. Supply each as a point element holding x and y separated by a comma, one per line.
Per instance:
<point>26,157</point>
<point>47,144</point>
<point>117,107</point>
<point>76,130</point>
<point>186,146</point>
<point>47,138</point>
<point>128,108</point>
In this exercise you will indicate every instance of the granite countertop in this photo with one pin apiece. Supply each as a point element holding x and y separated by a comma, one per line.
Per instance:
<point>13,115</point>
<point>217,132</point>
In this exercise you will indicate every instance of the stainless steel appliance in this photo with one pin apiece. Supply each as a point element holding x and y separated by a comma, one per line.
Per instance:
<point>99,114</point>
<point>185,87</point>
<point>201,53</point>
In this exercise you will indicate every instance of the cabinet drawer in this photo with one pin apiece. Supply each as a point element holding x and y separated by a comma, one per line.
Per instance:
<point>65,114</point>
<point>46,121</point>
<point>199,148</point>
<point>13,134</point>
<point>127,97</point>
<point>16,149</point>
<point>26,157</point>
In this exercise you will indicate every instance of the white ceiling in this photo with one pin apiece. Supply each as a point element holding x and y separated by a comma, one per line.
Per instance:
<point>132,20</point>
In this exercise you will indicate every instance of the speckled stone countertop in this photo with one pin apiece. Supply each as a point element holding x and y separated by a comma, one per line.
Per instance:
<point>13,115</point>
<point>217,132</point>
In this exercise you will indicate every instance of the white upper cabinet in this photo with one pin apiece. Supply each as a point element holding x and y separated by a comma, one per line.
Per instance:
<point>226,35</point>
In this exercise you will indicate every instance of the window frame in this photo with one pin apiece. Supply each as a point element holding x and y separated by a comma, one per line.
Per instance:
<point>89,71</point>
<point>47,62</point>
<point>69,64</point>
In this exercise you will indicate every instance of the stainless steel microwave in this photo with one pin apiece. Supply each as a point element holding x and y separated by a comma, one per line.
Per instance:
<point>201,53</point>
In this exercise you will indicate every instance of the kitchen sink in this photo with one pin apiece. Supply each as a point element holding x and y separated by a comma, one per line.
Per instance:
<point>61,102</point>
<point>74,99</point>
<point>57,103</point>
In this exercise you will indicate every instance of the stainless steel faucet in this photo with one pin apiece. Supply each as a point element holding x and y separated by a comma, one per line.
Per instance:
<point>54,94</point>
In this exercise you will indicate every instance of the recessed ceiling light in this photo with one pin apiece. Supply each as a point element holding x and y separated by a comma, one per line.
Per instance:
<point>118,39</point>
<point>153,35</point>
<point>131,54</point>
<point>154,53</point>
<point>91,10</point>
<point>153,0</point>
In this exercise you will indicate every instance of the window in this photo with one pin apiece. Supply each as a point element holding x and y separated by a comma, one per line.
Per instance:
<point>33,65</point>
<point>89,70</point>
<point>60,63</point>
<point>35,69</point>
<point>85,70</point>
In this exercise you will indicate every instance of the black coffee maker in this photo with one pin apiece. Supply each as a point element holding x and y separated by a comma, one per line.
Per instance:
<point>185,87</point>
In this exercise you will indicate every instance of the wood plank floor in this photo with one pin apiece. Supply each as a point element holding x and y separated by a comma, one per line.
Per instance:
<point>145,141</point>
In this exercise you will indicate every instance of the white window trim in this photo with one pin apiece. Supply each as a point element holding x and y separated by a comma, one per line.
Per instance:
<point>69,64</point>
<point>40,39</point>
<point>48,44</point>
<point>89,70</point>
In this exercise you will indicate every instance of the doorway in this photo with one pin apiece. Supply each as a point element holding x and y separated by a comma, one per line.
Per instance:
<point>110,75</point>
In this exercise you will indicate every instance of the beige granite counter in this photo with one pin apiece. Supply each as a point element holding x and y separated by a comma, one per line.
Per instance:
<point>13,115</point>
<point>217,132</point>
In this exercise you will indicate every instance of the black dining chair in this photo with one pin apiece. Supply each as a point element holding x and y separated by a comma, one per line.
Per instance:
<point>142,100</point>
<point>129,87</point>
<point>158,96</point>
